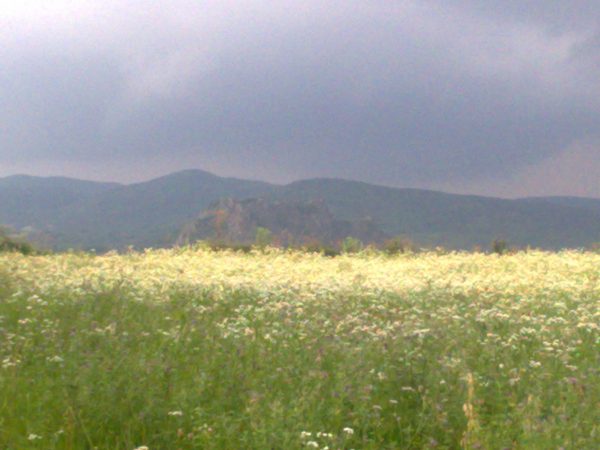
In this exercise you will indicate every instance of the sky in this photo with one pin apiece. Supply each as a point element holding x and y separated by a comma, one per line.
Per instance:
<point>484,97</point>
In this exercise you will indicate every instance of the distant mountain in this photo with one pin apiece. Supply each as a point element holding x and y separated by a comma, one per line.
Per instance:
<point>83,214</point>
<point>291,222</point>
<point>593,204</point>
<point>38,201</point>
<point>456,221</point>
<point>148,214</point>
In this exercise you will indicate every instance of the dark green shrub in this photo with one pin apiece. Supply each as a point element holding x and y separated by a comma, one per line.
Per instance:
<point>264,237</point>
<point>397,245</point>
<point>11,243</point>
<point>217,246</point>
<point>351,245</point>
<point>315,246</point>
<point>499,246</point>
<point>329,251</point>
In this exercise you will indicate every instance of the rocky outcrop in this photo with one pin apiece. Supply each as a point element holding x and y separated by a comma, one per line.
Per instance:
<point>290,222</point>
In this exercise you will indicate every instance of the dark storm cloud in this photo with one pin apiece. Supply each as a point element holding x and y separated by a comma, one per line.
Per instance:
<point>395,92</point>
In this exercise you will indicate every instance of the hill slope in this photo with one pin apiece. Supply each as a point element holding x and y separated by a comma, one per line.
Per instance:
<point>146,214</point>
<point>592,204</point>
<point>27,201</point>
<point>456,221</point>
<point>81,214</point>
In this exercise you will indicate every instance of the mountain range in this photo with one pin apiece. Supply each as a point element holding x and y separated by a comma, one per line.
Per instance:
<point>69,213</point>
<point>289,223</point>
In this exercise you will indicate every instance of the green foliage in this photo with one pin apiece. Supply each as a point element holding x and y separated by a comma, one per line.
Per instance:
<point>215,369</point>
<point>12,243</point>
<point>397,245</point>
<point>264,237</point>
<point>223,246</point>
<point>499,246</point>
<point>327,250</point>
<point>316,246</point>
<point>87,215</point>
<point>351,245</point>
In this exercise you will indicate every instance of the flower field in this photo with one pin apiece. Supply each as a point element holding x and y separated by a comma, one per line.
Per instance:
<point>188,348</point>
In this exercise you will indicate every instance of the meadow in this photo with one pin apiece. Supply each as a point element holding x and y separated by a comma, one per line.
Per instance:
<point>195,349</point>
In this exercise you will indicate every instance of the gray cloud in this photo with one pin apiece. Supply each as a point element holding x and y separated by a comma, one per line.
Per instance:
<point>404,93</point>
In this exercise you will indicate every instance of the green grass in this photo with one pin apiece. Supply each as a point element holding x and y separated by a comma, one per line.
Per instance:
<point>243,369</point>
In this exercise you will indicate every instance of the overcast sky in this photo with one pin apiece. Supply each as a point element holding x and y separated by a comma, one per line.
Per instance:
<point>490,97</point>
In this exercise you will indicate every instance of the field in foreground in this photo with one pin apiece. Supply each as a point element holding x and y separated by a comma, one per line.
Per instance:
<point>188,349</point>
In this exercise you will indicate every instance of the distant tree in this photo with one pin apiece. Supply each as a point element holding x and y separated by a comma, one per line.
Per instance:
<point>329,251</point>
<point>10,242</point>
<point>314,245</point>
<point>264,237</point>
<point>398,244</point>
<point>351,245</point>
<point>219,246</point>
<point>499,246</point>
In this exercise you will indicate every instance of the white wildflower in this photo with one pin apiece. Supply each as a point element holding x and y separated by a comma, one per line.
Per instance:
<point>56,359</point>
